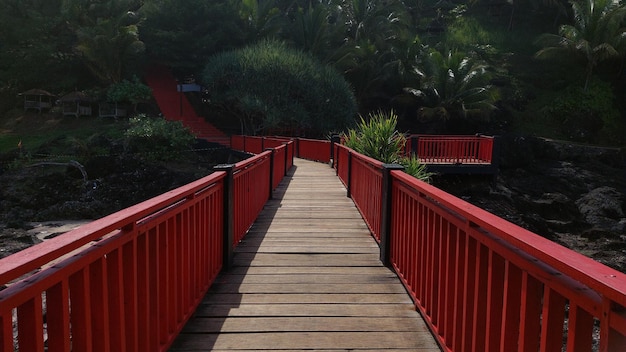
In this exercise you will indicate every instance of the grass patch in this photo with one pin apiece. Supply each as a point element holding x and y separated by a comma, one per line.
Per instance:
<point>35,130</point>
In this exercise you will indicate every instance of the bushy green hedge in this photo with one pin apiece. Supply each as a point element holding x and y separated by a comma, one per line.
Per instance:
<point>271,86</point>
<point>156,138</point>
<point>587,116</point>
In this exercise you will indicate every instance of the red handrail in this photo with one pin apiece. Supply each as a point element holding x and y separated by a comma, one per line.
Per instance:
<point>366,190</point>
<point>481,282</point>
<point>314,149</point>
<point>128,281</point>
<point>485,283</point>
<point>452,149</point>
<point>251,179</point>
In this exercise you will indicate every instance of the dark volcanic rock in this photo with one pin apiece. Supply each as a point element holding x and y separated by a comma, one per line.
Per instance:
<point>571,194</point>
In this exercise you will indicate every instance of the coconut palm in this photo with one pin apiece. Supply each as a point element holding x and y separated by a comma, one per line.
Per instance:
<point>108,37</point>
<point>596,35</point>
<point>262,17</point>
<point>455,84</point>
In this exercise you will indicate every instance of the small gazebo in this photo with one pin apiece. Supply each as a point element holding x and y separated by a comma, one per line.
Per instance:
<point>77,104</point>
<point>37,99</point>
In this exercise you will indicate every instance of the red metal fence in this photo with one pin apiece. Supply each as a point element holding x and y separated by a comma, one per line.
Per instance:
<point>126,282</point>
<point>481,282</point>
<point>452,149</point>
<point>130,281</point>
<point>311,149</point>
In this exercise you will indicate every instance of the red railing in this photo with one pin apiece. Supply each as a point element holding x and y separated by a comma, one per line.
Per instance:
<point>311,149</point>
<point>131,280</point>
<point>452,149</point>
<point>366,189</point>
<point>314,149</point>
<point>126,282</point>
<point>252,189</point>
<point>481,282</point>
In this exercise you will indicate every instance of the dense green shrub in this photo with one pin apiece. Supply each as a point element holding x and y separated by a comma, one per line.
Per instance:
<point>586,116</point>
<point>129,91</point>
<point>378,138</point>
<point>274,87</point>
<point>157,138</point>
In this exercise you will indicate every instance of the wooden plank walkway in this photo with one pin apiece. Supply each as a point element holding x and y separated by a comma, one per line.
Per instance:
<point>307,277</point>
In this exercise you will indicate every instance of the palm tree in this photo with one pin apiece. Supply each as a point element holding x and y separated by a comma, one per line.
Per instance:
<point>371,30</point>
<point>596,35</point>
<point>108,36</point>
<point>262,17</point>
<point>455,84</point>
<point>311,29</point>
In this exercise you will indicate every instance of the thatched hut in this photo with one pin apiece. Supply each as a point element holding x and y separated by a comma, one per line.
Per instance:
<point>108,109</point>
<point>38,99</point>
<point>77,104</point>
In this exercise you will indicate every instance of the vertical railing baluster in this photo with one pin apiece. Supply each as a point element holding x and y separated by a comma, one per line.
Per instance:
<point>58,317</point>
<point>229,210</point>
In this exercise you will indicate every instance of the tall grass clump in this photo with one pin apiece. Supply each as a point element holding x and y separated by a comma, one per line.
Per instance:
<point>377,137</point>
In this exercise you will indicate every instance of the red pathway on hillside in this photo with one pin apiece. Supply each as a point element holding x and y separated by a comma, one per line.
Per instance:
<point>175,107</point>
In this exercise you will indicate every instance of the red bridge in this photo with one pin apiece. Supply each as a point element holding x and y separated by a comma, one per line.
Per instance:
<point>192,270</point>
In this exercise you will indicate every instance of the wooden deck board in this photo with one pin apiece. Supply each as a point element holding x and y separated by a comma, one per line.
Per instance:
<point>307,277</point>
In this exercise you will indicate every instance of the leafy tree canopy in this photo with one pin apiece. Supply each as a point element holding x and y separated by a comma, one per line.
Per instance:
<point>273,86</point>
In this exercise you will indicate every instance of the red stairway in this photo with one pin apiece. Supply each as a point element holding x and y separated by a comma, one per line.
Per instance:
<point>175,107</point>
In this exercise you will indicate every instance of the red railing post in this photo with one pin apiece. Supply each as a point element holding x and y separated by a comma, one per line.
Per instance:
<point>229,211</point>
<point>385,222</point>
<point>335,139</point>
<point>272,157</point>
<point>349,178</point>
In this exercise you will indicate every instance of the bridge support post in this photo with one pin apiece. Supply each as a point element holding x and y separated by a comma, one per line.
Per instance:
<point>229,215</point>
<point>385,223</point>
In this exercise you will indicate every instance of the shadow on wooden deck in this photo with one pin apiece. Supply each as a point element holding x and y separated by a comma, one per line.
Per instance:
<point>307,277</point>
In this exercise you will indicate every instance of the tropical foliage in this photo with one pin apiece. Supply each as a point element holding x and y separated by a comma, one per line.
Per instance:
<point>458,84</point>
<point>597,34</point>
<point>453,61</point>
<point>377,137</point>
<point>273,87</point>
<point>156,138</point>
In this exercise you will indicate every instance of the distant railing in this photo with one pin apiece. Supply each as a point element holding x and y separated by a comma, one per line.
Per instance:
<point>481,282</point>
<point>310,149</point>
<point>131,280</point>
<point>455,154</point>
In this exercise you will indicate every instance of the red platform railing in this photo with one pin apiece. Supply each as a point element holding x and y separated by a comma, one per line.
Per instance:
<point>452,149</point>
<point>481,282</point>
